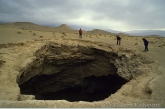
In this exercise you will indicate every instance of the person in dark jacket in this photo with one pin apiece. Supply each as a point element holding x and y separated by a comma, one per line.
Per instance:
<point>145,44</point>
<point>118,39</point>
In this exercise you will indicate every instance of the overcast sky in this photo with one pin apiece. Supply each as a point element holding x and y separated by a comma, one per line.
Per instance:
<point>119,15</point>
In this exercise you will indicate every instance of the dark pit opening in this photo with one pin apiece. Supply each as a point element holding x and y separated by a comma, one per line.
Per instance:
<point>92,89</point>
<point>86,77</point>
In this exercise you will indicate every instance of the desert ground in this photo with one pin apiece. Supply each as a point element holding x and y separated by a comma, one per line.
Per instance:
<point>21,45</point>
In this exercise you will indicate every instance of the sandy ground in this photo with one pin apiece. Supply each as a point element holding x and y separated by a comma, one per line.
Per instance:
<point>9,36</point>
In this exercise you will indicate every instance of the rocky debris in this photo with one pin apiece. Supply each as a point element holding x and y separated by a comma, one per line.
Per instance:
<point>26,97</point>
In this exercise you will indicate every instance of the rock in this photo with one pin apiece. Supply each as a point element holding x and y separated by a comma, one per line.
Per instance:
<point>26,97</point>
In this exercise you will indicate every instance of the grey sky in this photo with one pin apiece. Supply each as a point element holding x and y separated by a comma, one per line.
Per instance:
<point>119,15</point>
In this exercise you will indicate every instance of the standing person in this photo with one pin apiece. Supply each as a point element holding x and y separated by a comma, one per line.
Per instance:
<point>118,39</point>
<point>80,33</point>
<point>145,44</point>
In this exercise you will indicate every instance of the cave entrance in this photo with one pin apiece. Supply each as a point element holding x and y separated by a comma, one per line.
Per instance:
<point>62,79</point>
<point>92,89</point>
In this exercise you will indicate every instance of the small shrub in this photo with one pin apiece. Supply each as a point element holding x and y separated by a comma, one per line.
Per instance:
<point>2,62</point>
<point>34,34</point>
<point>41,36</point>
<point>64,34</point>
<point>136,43</point>
<point>19,32</point>
<point>21,44</point>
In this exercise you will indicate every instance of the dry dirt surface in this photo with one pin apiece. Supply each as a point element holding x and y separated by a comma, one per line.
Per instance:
<point>60,60</point>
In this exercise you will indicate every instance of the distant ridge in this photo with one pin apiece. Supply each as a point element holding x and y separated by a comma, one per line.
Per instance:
<point>66,28</point>
<point>28,26</point>
<point>98,31</point>
<point>147,32</point>
<point>32,26</point>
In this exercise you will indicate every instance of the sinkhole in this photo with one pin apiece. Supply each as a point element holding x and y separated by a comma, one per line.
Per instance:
<point>71,73</point>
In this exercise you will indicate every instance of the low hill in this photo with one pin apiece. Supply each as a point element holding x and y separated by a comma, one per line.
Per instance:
<point>32,26</point>
<point>28,26</point>
<point>64,27</point>
<point>98,31</point>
